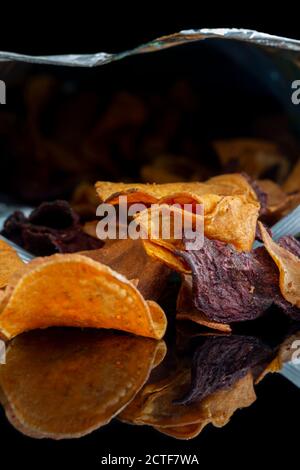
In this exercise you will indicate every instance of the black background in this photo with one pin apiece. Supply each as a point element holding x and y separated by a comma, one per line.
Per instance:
<point>260,435</point>
<point>64,27</point>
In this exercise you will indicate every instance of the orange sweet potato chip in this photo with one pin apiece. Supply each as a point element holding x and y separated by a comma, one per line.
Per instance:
<point>230,204</point>
<point>65,383</point>
<point>73,290</point>
<point>292,183</point>
<point>9,263</point>
<point>232,222</point>
<point>254,156</point>
<point>279,203</point>
<point>223,185</point>
<point>164,252</point>
<point>289,268</point>
<point>187,311</point>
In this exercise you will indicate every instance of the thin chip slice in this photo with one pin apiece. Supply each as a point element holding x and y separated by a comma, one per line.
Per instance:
<point>187,311</point>
<point>289,268</point>
<point>156,407</point>
<point>182,432</point>
<point>223,185</point>
<point>292,183</point>
<point>165,253</point>
<point>10,262</point>
<point>232,220</point>
<point>279,203</point>
<point>129,258</point>
<point>220,361</point>
<point>73,290</point>
<point>254,156</point>
<point>66,383</point>
<point>230,286</point>
<point>231,206</point>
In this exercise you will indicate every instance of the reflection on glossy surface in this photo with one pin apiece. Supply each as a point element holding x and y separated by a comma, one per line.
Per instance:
<point>62,383</point>
<point>217,380</point>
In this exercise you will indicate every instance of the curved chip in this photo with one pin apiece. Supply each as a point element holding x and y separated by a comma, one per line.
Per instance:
<point>187,311</point>
<point>220,361</point>
<point>279,203</point>
<point>10,262</point>
<point>155,405</point>
<point>66,383</point>
<point>230,204</point>
<point>223,185</point>
<point>254,156</point>
<point>73,290</point>
<point>289,268</point>
<point>232,221</point>
<point>292,183</point>
<point>129,258</point>
<point>166,254</point>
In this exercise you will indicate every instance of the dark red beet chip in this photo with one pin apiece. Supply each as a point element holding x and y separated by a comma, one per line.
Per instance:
<point>51,228</point>
<point>232,286</point>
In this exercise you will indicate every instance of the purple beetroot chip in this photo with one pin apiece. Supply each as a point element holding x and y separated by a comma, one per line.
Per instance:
<point>232,286</point>
<point>53,227</point>
<point>221,361</point>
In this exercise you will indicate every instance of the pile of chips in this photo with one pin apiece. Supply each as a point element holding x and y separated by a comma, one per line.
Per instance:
<point>117,293</point>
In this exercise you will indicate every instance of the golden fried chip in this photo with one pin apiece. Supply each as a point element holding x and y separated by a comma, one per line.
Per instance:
<point>254,156</point>
<point>187,311</point>
<point>73,290</point>
<point>288,265</point>
<point>10,262</point>
<point>292,183</point>
<point>229,202</point>
<point>223,185</point>
<point>165,254</point>
<point>279,203</point>
<point>276,197</point>
<point>232,222</point>
<point>66,383</point>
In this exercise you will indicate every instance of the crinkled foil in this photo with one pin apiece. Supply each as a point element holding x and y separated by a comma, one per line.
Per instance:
<point>290,46</point>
